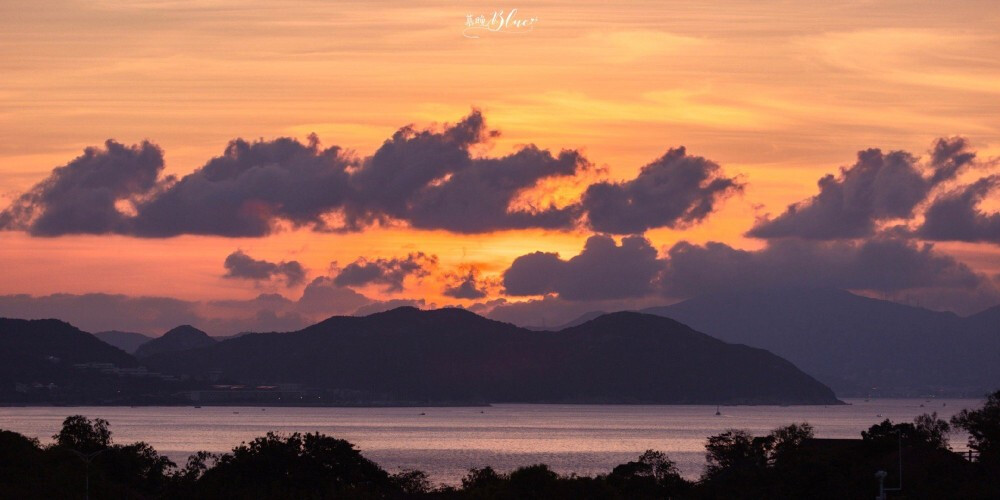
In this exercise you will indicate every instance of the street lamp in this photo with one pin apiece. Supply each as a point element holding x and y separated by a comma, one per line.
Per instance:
<point>87,458</point>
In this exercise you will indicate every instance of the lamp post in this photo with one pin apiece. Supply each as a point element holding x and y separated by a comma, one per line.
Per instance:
<point>87,458</point>
<point>881,474</point>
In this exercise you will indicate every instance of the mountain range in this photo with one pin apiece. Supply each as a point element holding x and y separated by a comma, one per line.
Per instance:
<point>455,355</point>
<point>409,356</point>
<point>856,345</point>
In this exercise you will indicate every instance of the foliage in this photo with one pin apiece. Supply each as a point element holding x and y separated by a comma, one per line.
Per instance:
<point>84,435</point>
<point>983,426</point>
<point>926,431</point>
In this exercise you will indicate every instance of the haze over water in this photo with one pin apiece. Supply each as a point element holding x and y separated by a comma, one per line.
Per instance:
<point>446,442</point>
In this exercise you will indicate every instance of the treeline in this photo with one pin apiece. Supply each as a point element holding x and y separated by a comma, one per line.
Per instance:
<point>786,463</point>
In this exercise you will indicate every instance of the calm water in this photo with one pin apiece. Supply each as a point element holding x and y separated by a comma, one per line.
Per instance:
<point>445,442</point>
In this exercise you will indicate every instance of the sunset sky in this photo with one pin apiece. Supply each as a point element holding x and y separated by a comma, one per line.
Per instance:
<point>518,141</point>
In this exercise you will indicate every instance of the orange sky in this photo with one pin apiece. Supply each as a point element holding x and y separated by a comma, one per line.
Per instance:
<point>777,92</point>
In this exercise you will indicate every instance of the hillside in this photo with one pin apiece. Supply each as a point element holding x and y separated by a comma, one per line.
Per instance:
<point>855,344</point>
<point>182,338</point>
<point>50,361</point>
<point>454,355</point>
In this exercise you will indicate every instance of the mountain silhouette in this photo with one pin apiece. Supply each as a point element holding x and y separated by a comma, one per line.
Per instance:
<point>855,344</point>
<point>50,361</point>
<point>126,341</point>
<point>181,338</point>
<point>453,355</point>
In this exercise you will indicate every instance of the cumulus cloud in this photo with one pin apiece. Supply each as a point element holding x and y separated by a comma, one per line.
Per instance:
<point>248,189</point>
<point>323,296</point>
<point>674,191</point>
<point>467,286</point>
<point>956,216</point>
<point>433,178</point>
<point>603,270</point>
<point>239,265</point>
<point>878,187</point>
<point>83,196</point>
<point>389,272</point>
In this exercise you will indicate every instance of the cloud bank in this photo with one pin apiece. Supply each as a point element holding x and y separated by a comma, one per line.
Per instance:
<point>424,178</point>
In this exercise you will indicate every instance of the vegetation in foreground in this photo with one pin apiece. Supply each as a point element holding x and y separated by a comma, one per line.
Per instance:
<point>786,463</point>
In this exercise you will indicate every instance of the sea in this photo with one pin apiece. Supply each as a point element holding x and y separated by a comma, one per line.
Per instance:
<point>445,442</point>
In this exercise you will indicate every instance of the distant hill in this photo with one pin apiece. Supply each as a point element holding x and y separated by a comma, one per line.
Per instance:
<point>50,361</point>
<point>182,338</point>
<point>126,341</point>
<point>454,355</point>
<point>857,345</point>
<point>32,348</point>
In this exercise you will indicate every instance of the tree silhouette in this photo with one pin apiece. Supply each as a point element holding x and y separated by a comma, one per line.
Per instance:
<point>983,426</point>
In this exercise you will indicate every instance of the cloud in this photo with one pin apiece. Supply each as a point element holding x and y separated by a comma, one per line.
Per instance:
<point>239,265</point>
<point>603,270</point>
<point>96,312</point>
<point>248,189</point>
<point>467,286</point>
<point>388,272</point>
<point>434,178</point>
<point>881,264</point>
<point>83,196</point>
<point>676,190</point>
<point>876,188</point>
<point>323,296</point>
<point>956,216</point>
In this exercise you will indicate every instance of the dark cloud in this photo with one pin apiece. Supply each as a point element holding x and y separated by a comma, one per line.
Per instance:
<point>603,270</point>
<point>323,296</point>
<point>674,191</point>
<point>429,179</point>
<point>881,264</point>
<point>239,265</point>
<point>887,266</point>
<point>83,195</point>
<point>948,156</point>
<point>876,188</point>
<point>956,216</point>
<point>248,189</point>
<point>467,287</point>
<point>388,272</point>
<point>478,199</point>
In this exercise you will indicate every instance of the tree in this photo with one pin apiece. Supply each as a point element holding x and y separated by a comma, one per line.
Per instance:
<point>485,480</point>
<point>652,475</point>
<point>927,431</point>
<point>299,465</point>
<point>784,441</point>
<point>734,450</point>
<point>983,426</point>
<point>411,482</point>
<point>84,435</point>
